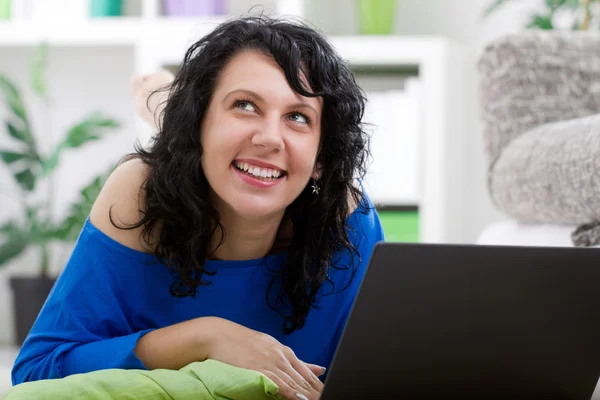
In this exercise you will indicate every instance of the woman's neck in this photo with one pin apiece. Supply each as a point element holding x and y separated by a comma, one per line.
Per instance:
<point>244,239</point>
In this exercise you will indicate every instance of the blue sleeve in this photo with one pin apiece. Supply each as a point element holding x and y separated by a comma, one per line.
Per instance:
<point>372,228</point>
<point>83,325</point>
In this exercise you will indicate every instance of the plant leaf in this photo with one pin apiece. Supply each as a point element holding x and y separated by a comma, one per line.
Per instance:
<point>90,129</point>
<point>25,137</point>
<point>22,135</point>
<point>574,4</point>
<point>38,67</point>
<point>91,191</point>
<point>70,227</point>
<point>51,162</point>
<point>554,4</point>
<point>41,229</point>
<point>541,22</point>
<point>15,244</point>
<point>13,98</point>
<point>26,179</point>
<point>493,6</point>
<point>10,157</point>
<point>18,109</point>
<point>9,226</point>
<point>93,128</point>
<point>9,89</point>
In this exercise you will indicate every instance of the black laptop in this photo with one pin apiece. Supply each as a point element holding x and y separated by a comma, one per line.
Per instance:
<point>472,322</point>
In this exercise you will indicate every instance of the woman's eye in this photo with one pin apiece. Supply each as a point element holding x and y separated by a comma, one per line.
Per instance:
<point>300,118</point>
<point>246,106</point>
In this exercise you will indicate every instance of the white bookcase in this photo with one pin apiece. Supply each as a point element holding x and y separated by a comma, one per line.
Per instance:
<point>149,41</point>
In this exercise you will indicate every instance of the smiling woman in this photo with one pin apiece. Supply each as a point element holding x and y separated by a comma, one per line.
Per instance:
<point>257,120</point>
<point>241,235</point>
<point>262,127</point>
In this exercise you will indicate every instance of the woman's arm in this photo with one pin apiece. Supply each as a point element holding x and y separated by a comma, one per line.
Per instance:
<point>177,345</point>
<point>84,325</point>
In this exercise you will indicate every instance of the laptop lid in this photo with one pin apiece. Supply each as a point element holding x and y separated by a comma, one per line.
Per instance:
<point>472,321</point>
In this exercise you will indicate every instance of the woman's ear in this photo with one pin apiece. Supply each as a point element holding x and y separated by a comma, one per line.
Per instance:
<point>317,171</point>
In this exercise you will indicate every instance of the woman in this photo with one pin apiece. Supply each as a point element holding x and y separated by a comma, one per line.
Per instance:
<point>240,235</point>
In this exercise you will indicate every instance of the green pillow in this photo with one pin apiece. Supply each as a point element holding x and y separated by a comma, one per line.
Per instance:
<point>201,380</point>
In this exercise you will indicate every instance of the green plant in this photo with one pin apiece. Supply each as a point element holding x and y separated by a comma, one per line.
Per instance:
<point>36,226</point>
<point>581,10</point>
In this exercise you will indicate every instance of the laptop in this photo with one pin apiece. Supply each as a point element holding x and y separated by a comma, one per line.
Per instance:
<point>441,321</point>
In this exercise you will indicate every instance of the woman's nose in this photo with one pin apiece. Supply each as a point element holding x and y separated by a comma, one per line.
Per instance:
<point>269,135</point>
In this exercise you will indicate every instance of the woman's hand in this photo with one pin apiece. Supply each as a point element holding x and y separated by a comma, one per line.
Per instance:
<point>241,347</point>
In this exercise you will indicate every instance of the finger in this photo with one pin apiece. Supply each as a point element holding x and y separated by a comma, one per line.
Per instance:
<point>300,372</point>
<point>307,375</point>
<point>283,384</point>
<point>297,382</point>
<point>301,384</point>
<point>316,369</point>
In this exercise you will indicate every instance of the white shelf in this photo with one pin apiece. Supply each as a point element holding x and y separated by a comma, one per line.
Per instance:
<point>28,27</point>
<point>388,50</point>
<point>104,31</point>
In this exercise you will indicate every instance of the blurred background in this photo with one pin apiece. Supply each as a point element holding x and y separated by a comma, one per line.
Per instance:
<point>67,115</point>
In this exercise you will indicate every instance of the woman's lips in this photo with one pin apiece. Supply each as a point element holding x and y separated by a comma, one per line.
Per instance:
<point>263,183</point>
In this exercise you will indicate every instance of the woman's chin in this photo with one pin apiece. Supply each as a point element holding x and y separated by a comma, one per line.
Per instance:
<point>258,211</point>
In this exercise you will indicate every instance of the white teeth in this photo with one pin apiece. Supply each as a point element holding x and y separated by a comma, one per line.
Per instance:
<point>258,172</point>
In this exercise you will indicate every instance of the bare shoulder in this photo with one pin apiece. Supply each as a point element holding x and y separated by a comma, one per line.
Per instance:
<point>122,199</point>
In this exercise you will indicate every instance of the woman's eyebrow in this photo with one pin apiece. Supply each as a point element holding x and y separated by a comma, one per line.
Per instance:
<point>304,105</point>
<point>246,91</point>
<point>258,97</point>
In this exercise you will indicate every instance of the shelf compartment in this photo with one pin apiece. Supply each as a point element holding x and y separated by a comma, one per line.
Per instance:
<point>400,225</point>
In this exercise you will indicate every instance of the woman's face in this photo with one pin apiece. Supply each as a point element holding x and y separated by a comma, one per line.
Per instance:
<point>259,138</point>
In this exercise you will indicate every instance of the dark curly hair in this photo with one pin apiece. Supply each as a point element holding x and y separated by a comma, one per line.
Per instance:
<point>176,189</point>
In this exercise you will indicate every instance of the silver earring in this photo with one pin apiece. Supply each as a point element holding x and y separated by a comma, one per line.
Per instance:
<point>315,187</point>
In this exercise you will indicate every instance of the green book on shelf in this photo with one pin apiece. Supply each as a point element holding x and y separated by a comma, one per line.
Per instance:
<point>400,226</point>
<point>5,9</point>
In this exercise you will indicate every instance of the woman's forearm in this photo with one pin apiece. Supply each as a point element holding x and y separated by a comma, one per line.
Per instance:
<point>177,345</point>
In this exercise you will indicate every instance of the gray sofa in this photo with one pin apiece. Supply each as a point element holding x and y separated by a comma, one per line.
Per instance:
<point>540,99</point>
